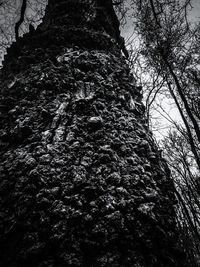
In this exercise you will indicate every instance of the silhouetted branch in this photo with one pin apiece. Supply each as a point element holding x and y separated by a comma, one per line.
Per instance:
<point>21,19</point>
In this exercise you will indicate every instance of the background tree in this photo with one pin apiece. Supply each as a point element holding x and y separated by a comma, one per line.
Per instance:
<point>186,176</point>
<point>169,52</point>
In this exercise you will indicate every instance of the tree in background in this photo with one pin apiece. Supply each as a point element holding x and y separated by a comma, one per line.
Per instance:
<point>169,45</point>
<point>82,182</point>
<point>186,176</point>
<point>169,57</point>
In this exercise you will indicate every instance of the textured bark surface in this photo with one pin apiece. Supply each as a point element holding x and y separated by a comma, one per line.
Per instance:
<point>82,182</point>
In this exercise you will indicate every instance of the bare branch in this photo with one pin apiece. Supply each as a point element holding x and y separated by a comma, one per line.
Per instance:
<point>21,19</point>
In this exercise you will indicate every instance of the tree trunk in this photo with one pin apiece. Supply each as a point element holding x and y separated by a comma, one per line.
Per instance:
<point>82,182</point>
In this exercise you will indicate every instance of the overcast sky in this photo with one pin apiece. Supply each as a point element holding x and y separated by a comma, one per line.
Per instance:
<point>161,124</point>
<point>195,12</point>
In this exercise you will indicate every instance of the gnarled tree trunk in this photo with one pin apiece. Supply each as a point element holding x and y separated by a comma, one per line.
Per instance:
<point>82,182</point>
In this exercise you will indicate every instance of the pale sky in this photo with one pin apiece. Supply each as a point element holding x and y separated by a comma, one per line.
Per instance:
<point>168,105</point>
<point>162,123</point>
<point>195,12</point>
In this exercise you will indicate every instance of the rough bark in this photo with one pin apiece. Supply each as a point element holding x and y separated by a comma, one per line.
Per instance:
<point>82,182</point>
